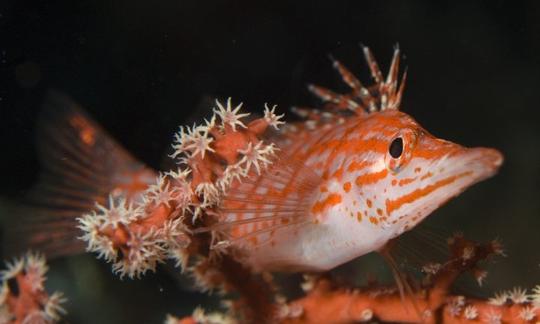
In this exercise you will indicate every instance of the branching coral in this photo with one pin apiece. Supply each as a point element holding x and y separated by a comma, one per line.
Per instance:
<point>136,235</point>
<point>23,298</point>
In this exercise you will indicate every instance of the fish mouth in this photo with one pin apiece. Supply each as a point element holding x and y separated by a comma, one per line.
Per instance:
<point>474,164</point>
<point>461,169</point>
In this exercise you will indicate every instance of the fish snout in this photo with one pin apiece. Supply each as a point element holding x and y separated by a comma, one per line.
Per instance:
<point>452,159</point>
<point>482,162</point>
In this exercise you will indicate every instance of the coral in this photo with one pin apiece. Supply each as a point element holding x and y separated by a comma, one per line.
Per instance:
<point>432,302</point>
<point>137,235</point>
<point>23,298</point>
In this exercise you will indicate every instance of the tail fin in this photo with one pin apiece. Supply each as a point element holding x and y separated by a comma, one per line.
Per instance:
<point>81,165</point>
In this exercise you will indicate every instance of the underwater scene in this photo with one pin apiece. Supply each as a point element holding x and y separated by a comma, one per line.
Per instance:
<point>269,162</point>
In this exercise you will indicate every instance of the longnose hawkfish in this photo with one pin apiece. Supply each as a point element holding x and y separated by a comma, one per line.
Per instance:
<point>349,179</point>
<point>311,196</point>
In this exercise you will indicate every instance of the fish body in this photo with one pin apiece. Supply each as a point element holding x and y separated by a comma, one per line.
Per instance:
<point>344,188</point>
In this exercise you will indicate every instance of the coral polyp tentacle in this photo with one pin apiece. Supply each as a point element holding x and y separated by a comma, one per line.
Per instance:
<point>136,235</point>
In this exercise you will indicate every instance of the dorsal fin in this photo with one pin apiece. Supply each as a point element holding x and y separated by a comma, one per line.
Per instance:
<point>81,164</point>
<point>279,198</point>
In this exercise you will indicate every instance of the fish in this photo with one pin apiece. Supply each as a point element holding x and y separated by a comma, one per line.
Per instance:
<point>346,181</point>
<point>345,185</point>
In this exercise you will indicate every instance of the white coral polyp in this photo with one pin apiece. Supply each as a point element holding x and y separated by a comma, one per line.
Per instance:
<point>191,142</point>
<point>144,252</point>
<point>528,313</point>
<point>35,269</point>
<point>230,116</point>
<point>118,212</point>
<point>180,257</point>
<point>271,118</point>
<point>499,299</point>
<point>183,193</point>
<point>91,225</point>
<point>471,312</point>
<point>13,268</point>
<point>179,142</point>
<point>257,156</point>
<point>53,307</point>
<point>173,234</point>
<point>518,295</point>
<point>161,192</point>
<point>200,142</point>
<point>209,193</point>
<point>231,173</point>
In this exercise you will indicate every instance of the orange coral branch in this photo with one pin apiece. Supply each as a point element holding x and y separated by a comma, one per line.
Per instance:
<point>328,304</point>
<point>136,234</point>
<point>23,298</point>
<point>255,303</point>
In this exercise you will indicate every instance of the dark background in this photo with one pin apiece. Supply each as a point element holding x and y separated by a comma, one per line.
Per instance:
<point>142,68</point>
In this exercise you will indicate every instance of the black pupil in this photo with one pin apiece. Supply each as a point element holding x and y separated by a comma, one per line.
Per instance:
<point>396,147</point>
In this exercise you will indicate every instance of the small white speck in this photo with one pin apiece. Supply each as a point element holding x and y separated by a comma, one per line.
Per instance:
<point>471,312</point>
<point>366,315</point>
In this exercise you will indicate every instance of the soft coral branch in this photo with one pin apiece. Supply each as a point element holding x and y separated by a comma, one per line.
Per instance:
<point>136,235</point>
<point>329,304</point>
<point>23,298</point>
<point>432,302</point>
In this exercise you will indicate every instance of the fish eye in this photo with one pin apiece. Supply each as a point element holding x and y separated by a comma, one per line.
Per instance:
<point>396,148</point>
<point>400,150</point>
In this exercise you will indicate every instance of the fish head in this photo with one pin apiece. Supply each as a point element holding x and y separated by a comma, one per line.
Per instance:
<point>409,172</point>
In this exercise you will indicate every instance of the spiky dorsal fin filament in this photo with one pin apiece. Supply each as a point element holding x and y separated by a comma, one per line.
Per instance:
<point>385,94</point>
